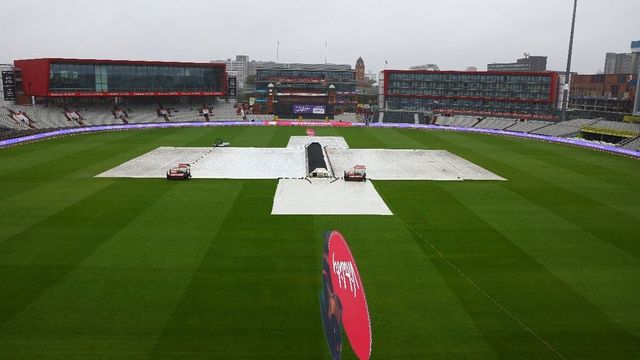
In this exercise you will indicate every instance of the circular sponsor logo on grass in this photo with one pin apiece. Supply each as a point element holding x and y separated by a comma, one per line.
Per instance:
<point>340,270</point>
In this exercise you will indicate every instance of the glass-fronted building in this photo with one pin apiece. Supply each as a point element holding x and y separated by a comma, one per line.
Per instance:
<point>306,84</point>
<point>119,78</point>
<point>514,94</point>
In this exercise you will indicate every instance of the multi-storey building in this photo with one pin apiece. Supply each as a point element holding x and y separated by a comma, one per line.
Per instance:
<point>433,67</point>
<point>239,67</point>
<point>623,63</point>
<point>527,63</point>
<point>54,78</point>
<point>512,94</point>
<point>310,90</point>
<point>620,86</point>
<point>603,92</point>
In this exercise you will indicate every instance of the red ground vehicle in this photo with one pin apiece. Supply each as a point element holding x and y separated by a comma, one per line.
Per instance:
<point>180,172</point>
<point>356,173</point>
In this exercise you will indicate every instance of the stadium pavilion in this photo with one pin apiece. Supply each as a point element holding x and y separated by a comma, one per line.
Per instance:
<point>307,90</point>
<point>60,81</point>
<point>502,94</point>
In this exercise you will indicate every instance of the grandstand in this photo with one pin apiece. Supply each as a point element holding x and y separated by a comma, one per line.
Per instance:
<point>347,117</point>
<point>495,123</point>
<point>579,122</point>
<point>7,133</point>
<point>559,130</point>
<point>616,126</point>
<point>8,121</point>
<point>457,120</point>
<point>631,144</point>
<point>528,126</point>
<point>94,114</point>
<point>396,117</point>
<point>38,118</point>
<point>564,129</point>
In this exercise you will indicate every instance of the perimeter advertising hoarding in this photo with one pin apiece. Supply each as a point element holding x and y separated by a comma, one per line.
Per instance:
<point>343,304</point>
<point>132,93</point>
<point>309,109</point>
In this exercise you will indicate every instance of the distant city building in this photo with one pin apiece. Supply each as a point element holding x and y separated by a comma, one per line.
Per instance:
<point>624,63</point>
<point>360,79</point>
<point>371,78</point>
<point>431,67</point>
<point>472,68</point>
<point>527,63</point>
<point>243,69</point>
<point>239,66</point>
<point>506,94</point>
<point>381,91</point>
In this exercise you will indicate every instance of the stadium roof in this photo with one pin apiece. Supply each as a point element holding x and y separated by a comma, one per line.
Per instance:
<point>306,67</point>
<point>129,62</point>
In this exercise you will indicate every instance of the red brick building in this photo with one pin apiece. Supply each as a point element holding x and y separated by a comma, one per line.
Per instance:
<point>605,93</point>
<point>619,86</point>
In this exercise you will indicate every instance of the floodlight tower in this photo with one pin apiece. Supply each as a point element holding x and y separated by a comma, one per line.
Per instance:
<point>565,91</point>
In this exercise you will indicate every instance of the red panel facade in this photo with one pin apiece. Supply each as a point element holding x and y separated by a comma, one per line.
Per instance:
<point>133,93</point>
<point>35,76</point>
<point>516,100</point>
<point>133,62</point>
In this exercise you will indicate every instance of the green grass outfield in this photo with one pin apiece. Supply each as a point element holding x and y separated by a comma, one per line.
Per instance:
<point>545,265</point>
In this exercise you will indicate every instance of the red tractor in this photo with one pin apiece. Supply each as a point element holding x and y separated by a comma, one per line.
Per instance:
<point>180,172</point>
<point>356,173</point>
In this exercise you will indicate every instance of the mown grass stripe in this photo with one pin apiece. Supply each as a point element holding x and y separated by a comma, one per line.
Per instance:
<point>362,138</point>
<point>255,291</point>
<point>414,313</point>
<point>592,162</point>
<point>25,173</point>
<point>513,279</point>
<point>258,281</point>
<point>550,190</point>
<point>599,271</point>
<point>616,191</point>
<point>96,153</point>
<point>119,297</point>
<point>56,184</point>
<point>573,172</point>
<point>32,261</point>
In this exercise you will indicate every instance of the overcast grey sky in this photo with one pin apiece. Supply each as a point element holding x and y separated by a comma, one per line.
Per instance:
<point>451,33</point>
